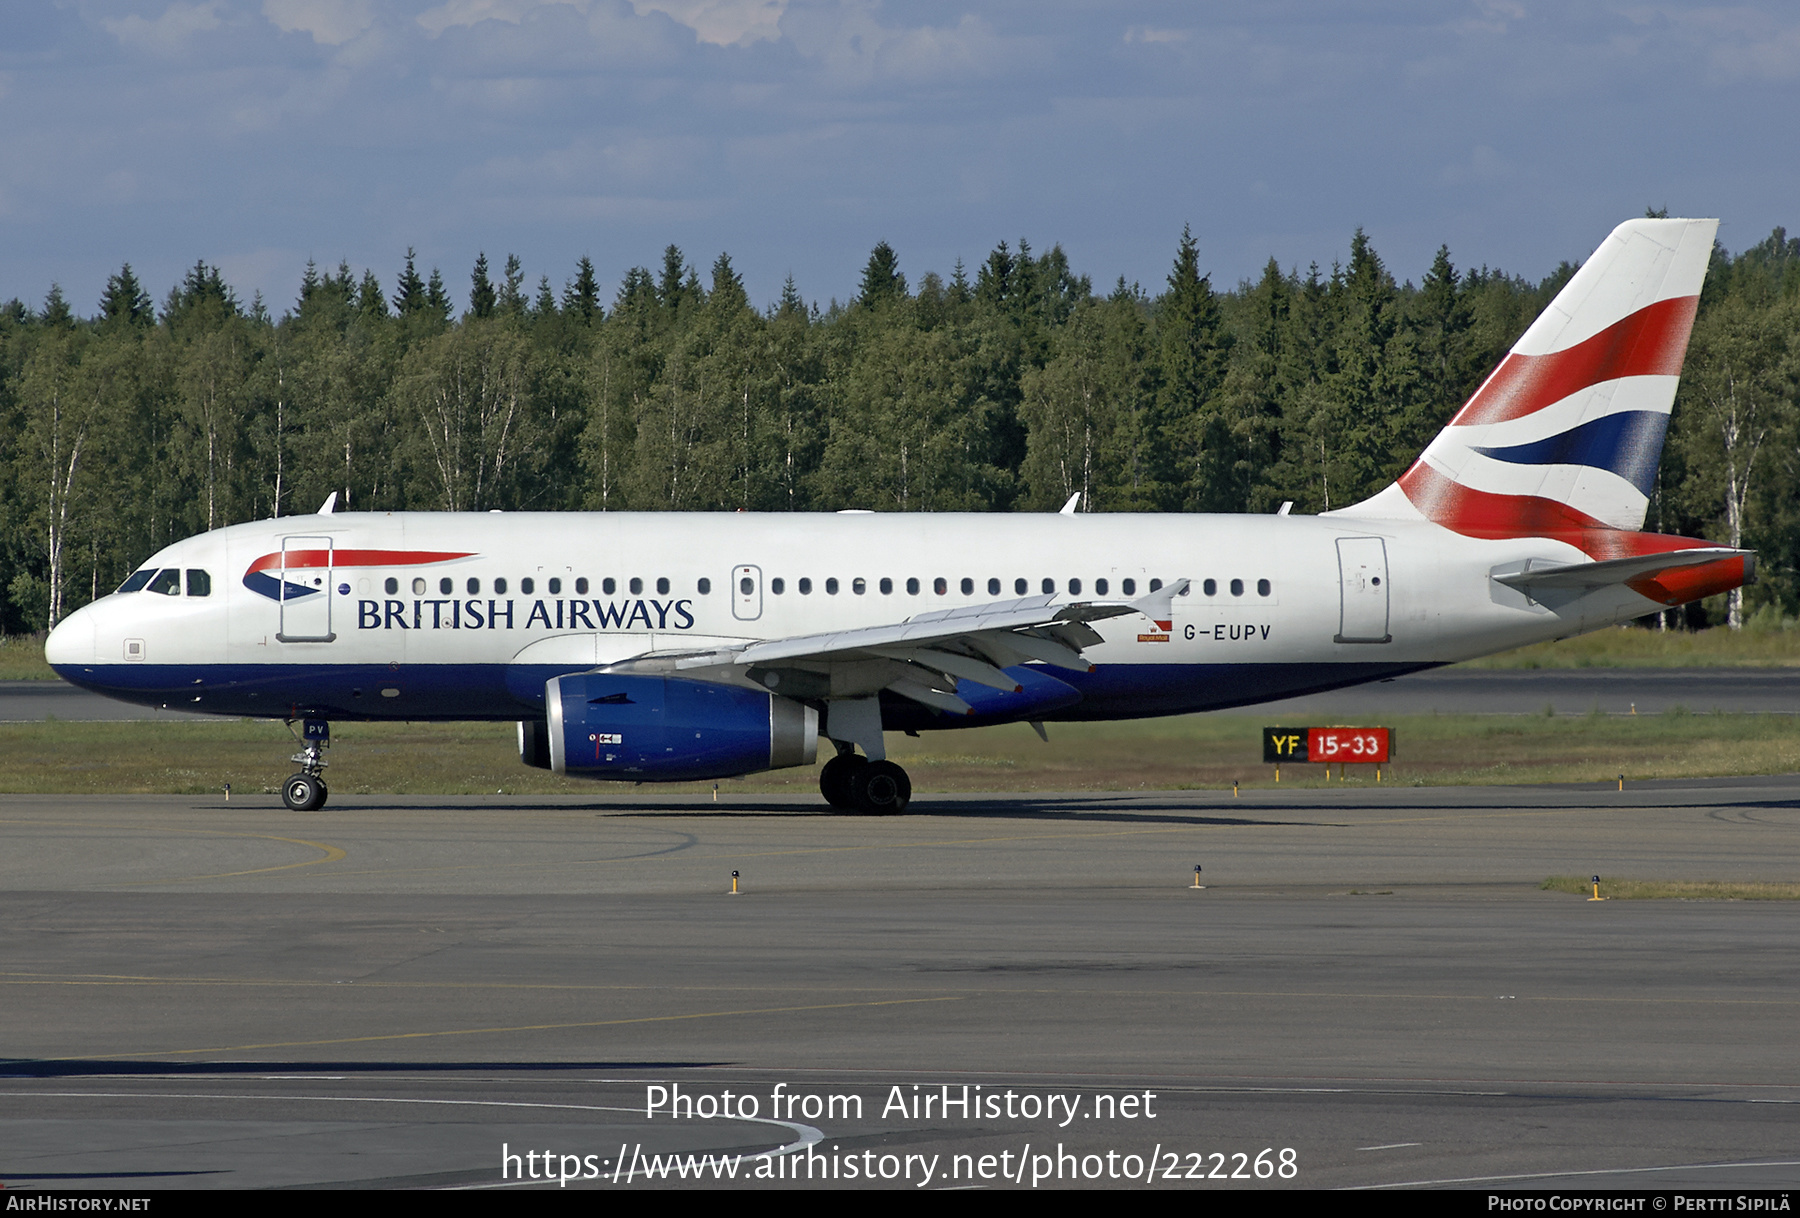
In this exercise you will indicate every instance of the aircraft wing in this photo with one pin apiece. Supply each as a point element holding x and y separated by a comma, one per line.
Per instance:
<point>923,657</point>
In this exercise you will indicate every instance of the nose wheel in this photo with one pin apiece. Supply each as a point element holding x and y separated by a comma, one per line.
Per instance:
<point>306,791</point>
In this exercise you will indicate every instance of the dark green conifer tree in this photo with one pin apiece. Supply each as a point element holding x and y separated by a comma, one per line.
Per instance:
<point>482,300</point>
<point>125,302</point>
<point>409,295</point>
<point>581,297</point>
<point>512,295</point>
<point>882,281</point>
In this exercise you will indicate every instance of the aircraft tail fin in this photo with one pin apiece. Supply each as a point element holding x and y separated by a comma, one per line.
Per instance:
<point>1563,438</point>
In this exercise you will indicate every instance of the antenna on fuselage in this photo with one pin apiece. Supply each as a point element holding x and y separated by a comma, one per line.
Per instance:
<point>330,504</point>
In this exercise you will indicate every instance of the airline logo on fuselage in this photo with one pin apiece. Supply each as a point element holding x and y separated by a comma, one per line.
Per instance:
<point>327,561</point>
<point>494,614</point>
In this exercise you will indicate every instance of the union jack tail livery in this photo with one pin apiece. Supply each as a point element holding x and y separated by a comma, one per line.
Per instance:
<point>1563,439</point>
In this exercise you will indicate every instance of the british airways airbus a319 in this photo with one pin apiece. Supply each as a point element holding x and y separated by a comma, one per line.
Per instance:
<point>674,647</point>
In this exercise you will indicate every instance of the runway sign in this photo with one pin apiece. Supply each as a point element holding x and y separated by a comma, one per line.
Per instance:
<point>1372,745</point>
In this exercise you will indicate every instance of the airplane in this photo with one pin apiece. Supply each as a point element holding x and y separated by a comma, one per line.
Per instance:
<point>695,646</point>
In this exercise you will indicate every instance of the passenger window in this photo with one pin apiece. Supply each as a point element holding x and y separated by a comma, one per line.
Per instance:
<point>137,580</point>
<point>705,585</point>
<point>662,586</point>
<point>968,587</point>
<point>887,586</point>
<point>199,583</point>
<point>859,585</point>
<point>940,585</point>
<point>555,587</point>
<point>1263,588</point>
<point>804,586</point>
<point>1128,587</point>
<point>392,585</point>
<point>912,587</point>
<point>1020,587</point>
<point>1237,587</point>
<point>500,586</point>
<point>1210,587</point>
<point>1074,587</point>
<point>446,585</point>
<point>1156,585</point>
<point>581,586</point>
<point>777,585</point>
<point>167,582</point>
<point>831,586</point>
<point>526,586</point>
<point>746,585</point>
<point>473,586</point>
<point>418,587</point>
<point>608,586</point>
<point>993,587</point>
<point>637,586</point>
<point>1049,585</point>
<point>1099,587</point>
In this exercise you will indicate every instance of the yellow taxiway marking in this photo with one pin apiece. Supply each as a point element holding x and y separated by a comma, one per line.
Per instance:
<point>327,852</point>
<point>534,1027</point>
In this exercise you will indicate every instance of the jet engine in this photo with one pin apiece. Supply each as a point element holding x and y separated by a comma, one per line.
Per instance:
<point>670,729</point>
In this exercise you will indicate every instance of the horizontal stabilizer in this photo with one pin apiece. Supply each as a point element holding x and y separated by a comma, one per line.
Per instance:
<point>1621,570</point>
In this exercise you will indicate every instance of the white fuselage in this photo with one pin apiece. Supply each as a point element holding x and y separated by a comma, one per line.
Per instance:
<point>402,615</point>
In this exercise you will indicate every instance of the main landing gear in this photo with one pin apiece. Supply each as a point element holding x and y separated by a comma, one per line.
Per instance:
<point>306,791</point>
<point>852,783</point>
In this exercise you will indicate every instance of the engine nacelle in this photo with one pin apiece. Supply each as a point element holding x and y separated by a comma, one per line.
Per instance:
<point>670,729</point>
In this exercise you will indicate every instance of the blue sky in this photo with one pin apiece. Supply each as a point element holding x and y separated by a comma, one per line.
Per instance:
<point>796,134</point>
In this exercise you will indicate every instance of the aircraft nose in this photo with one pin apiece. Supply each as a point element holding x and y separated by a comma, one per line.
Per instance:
<point>71,644</point>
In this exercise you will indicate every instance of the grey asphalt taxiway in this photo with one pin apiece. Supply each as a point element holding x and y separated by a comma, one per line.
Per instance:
<point>1371,990</point>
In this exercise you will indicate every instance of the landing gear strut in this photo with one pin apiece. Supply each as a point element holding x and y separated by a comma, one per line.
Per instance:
<point>852,783</point>
<point>306,791</point>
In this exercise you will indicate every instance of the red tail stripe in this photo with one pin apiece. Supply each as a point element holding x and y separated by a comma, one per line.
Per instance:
<point>1650,342</point>
<point>298,559</point>
<point>1474,513</point>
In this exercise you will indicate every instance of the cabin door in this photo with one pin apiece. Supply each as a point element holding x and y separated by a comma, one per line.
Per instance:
<point>305,590</point>
<point>1363,584</point>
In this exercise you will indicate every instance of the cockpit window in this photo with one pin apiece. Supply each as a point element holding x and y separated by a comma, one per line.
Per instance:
<point>199,583</point>
<point>138,580</point>
<point>167,582</point>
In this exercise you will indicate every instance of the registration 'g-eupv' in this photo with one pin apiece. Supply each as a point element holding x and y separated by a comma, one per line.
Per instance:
<point>667,647</point>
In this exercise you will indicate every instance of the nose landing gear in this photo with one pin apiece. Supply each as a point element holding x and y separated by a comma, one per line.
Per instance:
<point>306,791</point>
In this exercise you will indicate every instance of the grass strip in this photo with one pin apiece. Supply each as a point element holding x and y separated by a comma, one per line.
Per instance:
<point>1192,752</point>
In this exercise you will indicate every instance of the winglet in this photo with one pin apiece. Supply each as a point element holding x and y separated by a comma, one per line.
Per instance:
<point>1159,606</point>
<point>330,504</point>
<point>1068,509</point>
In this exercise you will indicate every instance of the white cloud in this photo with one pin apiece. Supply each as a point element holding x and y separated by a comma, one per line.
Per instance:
<point>330,22</point>
<point>166,33</point>
<point>1146,33</point>
<point>723,22</point>
<point>471,12</point>
<point>855,48</point>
